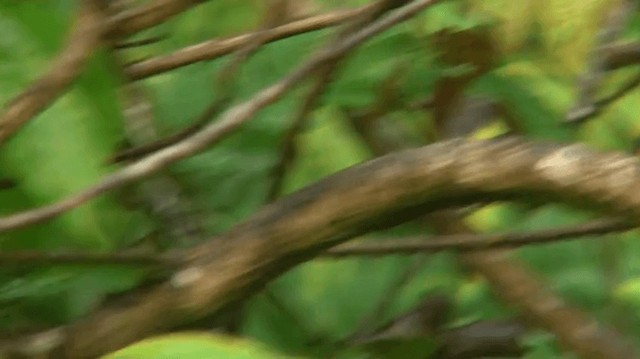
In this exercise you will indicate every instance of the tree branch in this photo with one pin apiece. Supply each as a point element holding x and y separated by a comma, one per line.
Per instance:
<point>85,37</point>
<point>134,153</point>
<point>590,81</point>
<point>473,242</point>
<point>622,54</point>
<point>215,48</point>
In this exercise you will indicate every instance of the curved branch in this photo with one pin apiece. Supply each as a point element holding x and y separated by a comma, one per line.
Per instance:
<point>374,195</point>
<point>85,37</point>
<point>215,132</point>
<point>215,48</point>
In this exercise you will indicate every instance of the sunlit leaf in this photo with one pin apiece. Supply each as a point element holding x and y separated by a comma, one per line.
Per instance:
<point>195,345</point>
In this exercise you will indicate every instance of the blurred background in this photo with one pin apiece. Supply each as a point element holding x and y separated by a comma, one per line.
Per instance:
<point>481,69</point>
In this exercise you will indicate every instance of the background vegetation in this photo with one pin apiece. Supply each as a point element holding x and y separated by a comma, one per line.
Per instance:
<point>521,61</point>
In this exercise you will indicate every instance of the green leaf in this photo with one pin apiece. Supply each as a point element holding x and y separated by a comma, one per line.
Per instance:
<point>194,345</point>
<point>451,15</point>
<point>536,102</point>
<point>57,295</point>
<point>62,150</point>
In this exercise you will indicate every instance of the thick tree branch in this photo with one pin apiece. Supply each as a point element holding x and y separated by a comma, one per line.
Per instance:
<point>374,195</point>
<point>215,132</point>
<point>85,37</point>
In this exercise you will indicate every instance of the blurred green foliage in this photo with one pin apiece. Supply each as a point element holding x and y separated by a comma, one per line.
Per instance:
<point>543,44</point>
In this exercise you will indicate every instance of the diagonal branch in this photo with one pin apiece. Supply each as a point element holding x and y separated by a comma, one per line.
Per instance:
<point>215,132</point>
<point>592,79</point>
<point>215,48</point>
<point>66,67</point>
<point>598,106</point>
<point>138,152</point>
<point>377,194</point>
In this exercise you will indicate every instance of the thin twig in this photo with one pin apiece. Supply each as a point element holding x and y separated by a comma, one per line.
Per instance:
<point>215,48</point>
<point>627,87</point>
<point>161,195</point>
<point>474,242</point>
<point>215,132</point>
<point>205,117</point>
<point>600,105</point>
<point>84,38</point>
<point>398,246</point>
